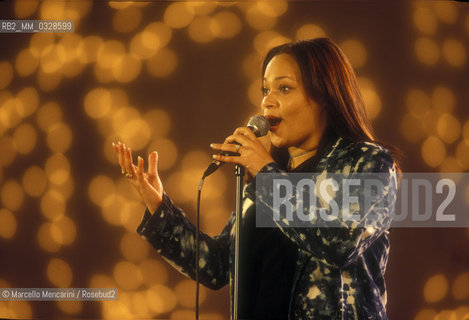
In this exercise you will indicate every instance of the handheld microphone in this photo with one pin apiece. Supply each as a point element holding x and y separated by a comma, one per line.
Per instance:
<point>259,126</point>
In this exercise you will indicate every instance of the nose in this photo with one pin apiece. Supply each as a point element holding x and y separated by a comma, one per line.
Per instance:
<point>268,102</point>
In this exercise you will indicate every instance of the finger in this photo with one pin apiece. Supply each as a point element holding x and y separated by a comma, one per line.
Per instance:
<point>139,172</point>
<point>245,131</point>
<point>230,147</point>
<point>239,138</point>
<point>153,163</point>
<point>121,156</point>
<point>128,161</point>
<point>229,159</point>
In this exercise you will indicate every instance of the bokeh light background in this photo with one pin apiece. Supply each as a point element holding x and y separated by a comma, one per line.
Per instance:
<point>176,76</point>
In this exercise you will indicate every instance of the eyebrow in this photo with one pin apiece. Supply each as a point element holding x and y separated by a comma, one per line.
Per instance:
<point>281,77</point>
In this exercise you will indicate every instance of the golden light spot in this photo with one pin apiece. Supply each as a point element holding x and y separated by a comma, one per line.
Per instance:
<point>24,138</point>
<point>167,153</point>
<point>127,275</point>
<point>97,103</point>
<point>48,115</point>
<point>139,305</point>
<point>201,8</point>
<point>225,25</point>
<point>29,99</point>
<point>266,40</point>
<point>450,164</point>
<point>126,20</point>
<point>80,8</point>
<point>372,103</point>
<point>39,42</point>
<point>462,154</point>
<point>101,281</point>
<point>119,5</point>
<point>70,307</point>
<point>436,288</point>
<point>178,15</point>
<point>462,312</point>
<point>160,299</point>
<point>7,150</point>
<point>88,48</point>
<point>185,293</point>
<point>443,99</point>
<point>433,151</point>
<point>454,52</point>
<point>429,121</point>
<point>427,51</point>
<point>201,29</point>
<point>460,287</point>
<point>73,68</point>
<point>45,239</point>
<point>259,20</point>
<point>418,103</point>
<point>52,58</point>
<point>126,68</point>
<point>100,188</point>
<point>52,204</point>
<point>159,121</point>
<point>59,273</point>
<point>465,131</point>
<point>131,215</point>
<point>14,112</point>
<point>70,44</point>
<point>109,52</point>
<point>272,8</point>
<point>26,63</point>
<point>447,12</point>
<point>425,19</point>
<point>255,93</point>
<point>52,10</point>
<point>59,137</point>
<point>7,224</point>
<point>214,220</point>
<point>162,31</point>
<point>195,160</point>
<point>122,116</point>
<point>133,247</point>
<point>24,9</point>
<point>144,45</point>
<point>48,81</point>
<point>19,310</point>
<point>57,169</point>
<point>34,181</point>
<point>135,133</point>
<point>163,63</point>
<point>67,229</point>
<point>310,31</point>
<point>12,195</point>
<point>448,128</point>
<point>355,52</point>
<point>111,207</point>
<point>6,74</point>
<point>66,188</point>
<point>425,314</point>
<point>183,185</point>
<point>153,271</point>
<point>102,74</point>
<point>446,315</point>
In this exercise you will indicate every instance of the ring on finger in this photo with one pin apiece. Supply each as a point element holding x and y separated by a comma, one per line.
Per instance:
<point>128,175</point>
<point>123,171</point>
<point>237,147</point>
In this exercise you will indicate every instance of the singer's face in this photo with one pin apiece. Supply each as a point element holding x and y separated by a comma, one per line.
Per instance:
<point>296,119</point>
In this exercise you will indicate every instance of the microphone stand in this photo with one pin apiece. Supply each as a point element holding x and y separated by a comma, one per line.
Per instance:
<point>239,173</point>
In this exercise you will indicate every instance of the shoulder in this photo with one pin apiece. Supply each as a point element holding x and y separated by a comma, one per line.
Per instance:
<point>363,156</point>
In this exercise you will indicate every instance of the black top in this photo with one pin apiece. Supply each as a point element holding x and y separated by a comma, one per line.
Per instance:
<point>268,261</point>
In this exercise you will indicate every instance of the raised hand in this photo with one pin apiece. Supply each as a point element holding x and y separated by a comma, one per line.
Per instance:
<point>148,184</point>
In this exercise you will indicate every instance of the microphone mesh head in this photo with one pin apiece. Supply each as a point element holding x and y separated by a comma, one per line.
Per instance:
<point>259,125</point>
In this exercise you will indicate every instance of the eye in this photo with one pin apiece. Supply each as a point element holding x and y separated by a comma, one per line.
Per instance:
<point>284,89</point>
<point>265,91</point>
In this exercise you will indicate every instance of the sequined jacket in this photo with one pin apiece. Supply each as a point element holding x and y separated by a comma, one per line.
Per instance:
<point>339,271</point>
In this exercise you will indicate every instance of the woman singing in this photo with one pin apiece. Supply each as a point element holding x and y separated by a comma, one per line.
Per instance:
<point>318,124</point>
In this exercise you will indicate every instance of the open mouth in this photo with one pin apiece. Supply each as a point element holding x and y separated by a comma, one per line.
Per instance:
<point>274,122</point>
